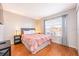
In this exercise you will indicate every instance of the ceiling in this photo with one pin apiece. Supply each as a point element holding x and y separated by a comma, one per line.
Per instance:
<point>37,10</point>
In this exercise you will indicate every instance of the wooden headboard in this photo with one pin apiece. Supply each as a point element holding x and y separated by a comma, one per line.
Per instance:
<point>26,29</point>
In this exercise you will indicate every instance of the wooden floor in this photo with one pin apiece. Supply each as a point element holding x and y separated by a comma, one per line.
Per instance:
<point>51,50</point>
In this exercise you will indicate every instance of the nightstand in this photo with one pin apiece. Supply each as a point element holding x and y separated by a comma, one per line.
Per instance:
<point>17,39</point>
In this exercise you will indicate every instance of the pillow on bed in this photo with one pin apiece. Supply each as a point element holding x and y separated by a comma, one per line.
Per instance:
<point>29,32</point>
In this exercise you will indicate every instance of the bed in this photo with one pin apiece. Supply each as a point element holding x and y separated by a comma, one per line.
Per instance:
<point>32,41</point>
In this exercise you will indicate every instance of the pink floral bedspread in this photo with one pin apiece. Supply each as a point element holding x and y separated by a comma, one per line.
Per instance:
<point>34,40</point>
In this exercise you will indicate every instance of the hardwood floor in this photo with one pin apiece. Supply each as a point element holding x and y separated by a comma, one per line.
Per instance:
<point>51,50</point>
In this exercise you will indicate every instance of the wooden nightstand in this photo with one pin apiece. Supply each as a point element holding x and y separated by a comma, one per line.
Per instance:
<point>17,39</point>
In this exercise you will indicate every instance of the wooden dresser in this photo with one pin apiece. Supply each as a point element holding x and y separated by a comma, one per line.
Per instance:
<point>5,48</point>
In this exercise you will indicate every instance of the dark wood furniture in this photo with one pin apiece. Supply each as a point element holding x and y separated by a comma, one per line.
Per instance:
<point>5,48</point>
<point>17,39</point>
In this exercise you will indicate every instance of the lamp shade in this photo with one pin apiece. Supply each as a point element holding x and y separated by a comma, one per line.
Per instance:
<point>18,32</point>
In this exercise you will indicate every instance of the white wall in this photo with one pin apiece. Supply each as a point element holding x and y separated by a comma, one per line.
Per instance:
<point>39,26</point>
<point>77,9</point>
<point>71,26</point>
<point>1,32</point>
<point>1,14</point>
<point>12,22</point>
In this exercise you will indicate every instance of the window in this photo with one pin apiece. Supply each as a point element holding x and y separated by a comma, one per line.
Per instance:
<point>56,27</point>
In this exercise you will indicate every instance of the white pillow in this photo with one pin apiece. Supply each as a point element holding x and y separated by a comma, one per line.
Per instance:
<point>29,32</point>
<point>32,31</point>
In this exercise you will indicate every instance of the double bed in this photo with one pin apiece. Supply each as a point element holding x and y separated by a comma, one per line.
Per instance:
<point>33,41</point>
